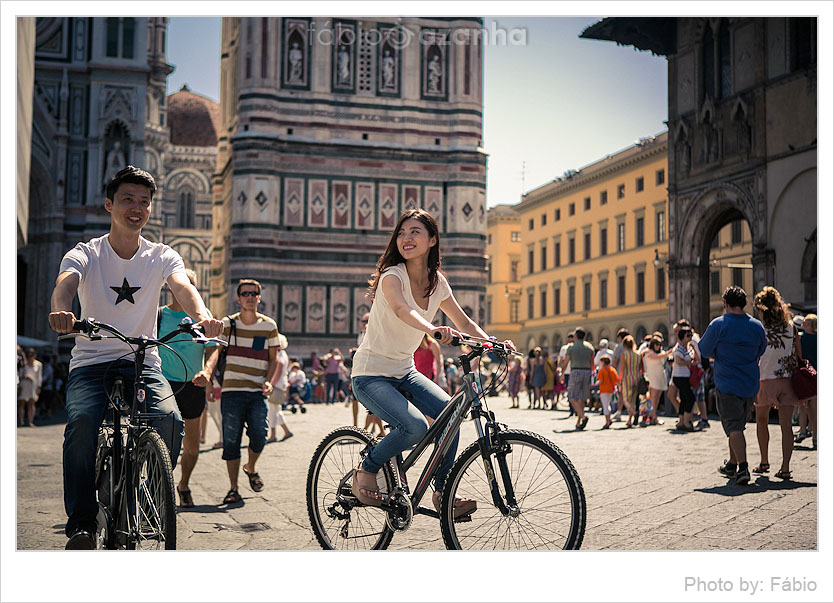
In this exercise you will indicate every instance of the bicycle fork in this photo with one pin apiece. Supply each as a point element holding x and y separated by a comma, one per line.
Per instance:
<point>489,445</point>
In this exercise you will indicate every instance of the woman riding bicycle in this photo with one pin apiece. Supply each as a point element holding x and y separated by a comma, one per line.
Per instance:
<point>412,290</point>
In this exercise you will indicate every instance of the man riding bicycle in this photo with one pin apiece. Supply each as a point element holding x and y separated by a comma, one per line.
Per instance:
<point>118,278</point>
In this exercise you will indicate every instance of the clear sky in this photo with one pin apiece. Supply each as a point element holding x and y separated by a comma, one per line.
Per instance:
<point>557,102</point>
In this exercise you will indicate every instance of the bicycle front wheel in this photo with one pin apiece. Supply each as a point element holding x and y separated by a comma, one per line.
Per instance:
<point>153,518</point>
<point>549,513</point>
<point>338,521</point>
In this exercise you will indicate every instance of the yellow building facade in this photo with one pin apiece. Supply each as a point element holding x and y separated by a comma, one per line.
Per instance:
<point>503,272</point>
<point>593,249</point>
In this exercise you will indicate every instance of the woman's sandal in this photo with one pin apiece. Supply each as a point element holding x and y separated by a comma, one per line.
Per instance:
<point>463,506</point>
<point>365,495</point>
<point>232,497</point>
<point>255,481</point>
<point>761,468</point>
<point>782,474</point>
<point>186,502</point>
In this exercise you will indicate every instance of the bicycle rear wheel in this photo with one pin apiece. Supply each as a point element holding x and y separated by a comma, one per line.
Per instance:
<point>550,510</point>
<point>345,524</point>
<point>153,517</point>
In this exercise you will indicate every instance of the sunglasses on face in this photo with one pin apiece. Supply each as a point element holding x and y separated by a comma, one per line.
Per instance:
<point>250,293</point>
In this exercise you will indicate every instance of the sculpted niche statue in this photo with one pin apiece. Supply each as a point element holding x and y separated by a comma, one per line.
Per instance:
<point>296,57</point>
<point>343,72</point>
<point>387,70</point>
<point>115,161</point>
<point>434,75</point>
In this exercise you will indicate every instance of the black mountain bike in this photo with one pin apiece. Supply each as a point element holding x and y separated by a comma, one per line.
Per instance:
<point>134,477</point>
<point>528,494</point>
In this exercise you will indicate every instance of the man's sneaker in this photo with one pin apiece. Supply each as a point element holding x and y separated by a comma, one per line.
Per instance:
<point>801,436</point>
<point>704,424</point>
<point>81,540</point>
<point>729,472</point>
<point>743,477</point>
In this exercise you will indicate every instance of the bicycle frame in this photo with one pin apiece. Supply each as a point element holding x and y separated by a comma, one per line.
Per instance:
<point>447,425</point>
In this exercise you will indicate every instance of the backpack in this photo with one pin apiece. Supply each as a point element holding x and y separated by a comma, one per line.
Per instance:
<point>220,369</point>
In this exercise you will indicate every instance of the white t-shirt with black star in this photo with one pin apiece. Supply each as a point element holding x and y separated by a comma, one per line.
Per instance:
<point>122,293</point>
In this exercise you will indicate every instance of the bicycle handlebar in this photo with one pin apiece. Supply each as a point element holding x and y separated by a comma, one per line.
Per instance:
<point>90,326</point>
<point>481,344</point>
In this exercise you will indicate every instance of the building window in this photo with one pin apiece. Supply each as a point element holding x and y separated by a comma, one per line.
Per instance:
<point>738,277</point>
<point>489,239</point>
<point>708,65</point>
<point>544,219</point>
<point>735,232</point>
<point>571,209</point>
<point>660,177</point>
<point>128,35</point>
<point>514,311</point>
<point>603,293</point>
<point>586,301</point>
<point>515,236</point>
<point>638,185</point>
<point>621,236</point>
<point>587,202</point>
<point>587,245</point>
<point>117,30</point>
<point>620,191</point>
<point>661,283</point>
<point>638,226</point>
<point>715,282</point>
<point>530,257</point>
<point>803,42</point>
<point>557,215</point>
<point>571,251</point>
<point>603,241</point>
<point>489,272</point>
<point>641,287</point>
<point>543,297</point>
<point>571,299</point>
<point>557,254</point>
<point>531,224</point>
<point>185,209</point>
<point>724,60</point>
<point>514,271</point>
<point>621,290</point>
<point>112,46</point>
<point>557,301</point>
<point>603,197</point>
<point>715,242</point>
<point>530,305</point>
<point>544,258</point>
<point>660,226</point>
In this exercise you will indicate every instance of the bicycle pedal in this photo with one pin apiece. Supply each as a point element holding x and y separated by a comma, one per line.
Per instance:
<point>464,518</point>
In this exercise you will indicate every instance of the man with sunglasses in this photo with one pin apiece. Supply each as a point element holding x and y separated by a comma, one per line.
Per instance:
<point>251,357</point>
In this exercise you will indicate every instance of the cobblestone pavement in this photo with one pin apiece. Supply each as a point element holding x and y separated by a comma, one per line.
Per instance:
<point>646,489</point>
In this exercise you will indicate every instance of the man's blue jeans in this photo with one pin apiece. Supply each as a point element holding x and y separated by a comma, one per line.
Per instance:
<point>383,396</point>
<point>87,398</point>
<point>239,408</point>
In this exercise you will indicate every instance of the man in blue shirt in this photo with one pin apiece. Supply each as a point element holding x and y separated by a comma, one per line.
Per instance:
<point>735,341</point>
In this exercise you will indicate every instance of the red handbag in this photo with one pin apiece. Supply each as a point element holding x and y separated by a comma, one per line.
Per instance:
<point>695,373</point>
<point>803,378</point>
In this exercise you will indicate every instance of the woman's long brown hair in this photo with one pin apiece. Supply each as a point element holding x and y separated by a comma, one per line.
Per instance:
<point>775,313</point>
<point>391,256</point>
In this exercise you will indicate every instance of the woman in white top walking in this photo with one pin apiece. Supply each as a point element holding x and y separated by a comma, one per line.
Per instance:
<point>407,290</point>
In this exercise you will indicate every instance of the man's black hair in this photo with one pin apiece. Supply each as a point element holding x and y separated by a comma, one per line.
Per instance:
<point>580,333</point>
<point>735,297</point>
<point>130,175</point>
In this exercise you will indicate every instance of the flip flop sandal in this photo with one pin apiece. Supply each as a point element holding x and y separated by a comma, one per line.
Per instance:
<point>368,497</point>
<point>232,497</point>
<point>781,474</point>
<point>186,502</point>
<point>761,468</point>
<point>255,481</point>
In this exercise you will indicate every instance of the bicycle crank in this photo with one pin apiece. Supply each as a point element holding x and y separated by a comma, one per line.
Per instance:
<point>400,512</point>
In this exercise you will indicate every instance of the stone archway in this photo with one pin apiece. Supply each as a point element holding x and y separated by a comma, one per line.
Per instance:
<point>695,224</point>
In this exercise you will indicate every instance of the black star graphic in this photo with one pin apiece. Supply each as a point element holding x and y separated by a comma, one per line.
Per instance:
<point>125,292</point>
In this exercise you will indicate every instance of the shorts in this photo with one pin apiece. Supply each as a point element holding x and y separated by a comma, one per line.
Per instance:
<point>733,411</point>
<point>191,400</point>
<point>776,393</point>
<point>605,400</point>
<point>238,408</point>
<point>278,396</point>
<point>579,387</point>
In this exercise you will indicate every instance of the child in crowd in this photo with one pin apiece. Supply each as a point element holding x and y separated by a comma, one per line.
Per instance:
<point>608,378</point>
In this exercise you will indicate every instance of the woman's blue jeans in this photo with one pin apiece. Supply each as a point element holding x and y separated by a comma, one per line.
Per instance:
<point>87,398</point>
<point>383,396</point>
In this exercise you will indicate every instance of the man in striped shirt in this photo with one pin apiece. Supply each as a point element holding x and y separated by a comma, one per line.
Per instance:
<point>251,358</point>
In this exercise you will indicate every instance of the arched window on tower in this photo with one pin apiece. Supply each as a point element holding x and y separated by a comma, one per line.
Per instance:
<point>185,209</point>
<point>725,60</point>
<point>708,65</point>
